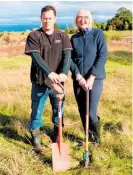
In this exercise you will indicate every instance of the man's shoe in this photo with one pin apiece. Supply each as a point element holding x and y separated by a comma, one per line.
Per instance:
<point>36,140</point>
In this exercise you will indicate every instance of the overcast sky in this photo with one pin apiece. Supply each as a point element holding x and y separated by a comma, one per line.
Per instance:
<point>24,12</point>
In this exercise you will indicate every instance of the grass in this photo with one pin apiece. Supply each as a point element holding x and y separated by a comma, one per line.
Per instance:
<point>123,57</point>
<point>112,158</point>
<point>14,63</point>
<point>117,35</point>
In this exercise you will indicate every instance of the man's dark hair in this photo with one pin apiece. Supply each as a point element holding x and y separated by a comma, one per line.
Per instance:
<point>47,8</point>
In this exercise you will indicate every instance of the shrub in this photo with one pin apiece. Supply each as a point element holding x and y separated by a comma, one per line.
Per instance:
<point>70,31</point>
<point>1,34</point>
<point>6,38</point>
<point>106,36</point>
<point>57,27</point>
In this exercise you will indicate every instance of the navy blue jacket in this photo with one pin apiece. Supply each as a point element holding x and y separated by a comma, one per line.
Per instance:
<point>89,54</point>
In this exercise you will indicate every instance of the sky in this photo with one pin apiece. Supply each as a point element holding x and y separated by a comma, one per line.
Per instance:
<point>26,12</point>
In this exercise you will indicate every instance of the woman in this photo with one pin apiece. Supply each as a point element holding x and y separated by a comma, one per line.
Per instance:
<point>89,56</point>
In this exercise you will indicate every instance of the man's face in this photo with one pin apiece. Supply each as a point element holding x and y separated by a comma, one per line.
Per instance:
<point>82,19</point>
<point>48,20</point>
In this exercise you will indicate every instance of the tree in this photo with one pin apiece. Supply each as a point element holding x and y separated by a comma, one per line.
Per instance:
<point>110,27</point>
<point>124,15</point>
<point>119,24</point>
<point>121,20</point>
<point>103,26</point>
<point>126,26</point>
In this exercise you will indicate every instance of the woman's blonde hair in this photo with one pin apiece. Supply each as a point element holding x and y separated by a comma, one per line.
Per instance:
<point>89,16</point>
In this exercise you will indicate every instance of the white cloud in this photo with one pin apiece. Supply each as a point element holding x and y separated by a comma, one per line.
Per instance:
<point>103,17</point>
<point>13,21</point>
<point>65,17</point>
<point>66,10</point>
<point>30,19</point>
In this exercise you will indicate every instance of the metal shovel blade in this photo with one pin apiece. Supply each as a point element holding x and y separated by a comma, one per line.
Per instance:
<point>60,157</point>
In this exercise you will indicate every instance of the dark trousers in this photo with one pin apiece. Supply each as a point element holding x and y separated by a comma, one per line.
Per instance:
<point>94,97</point>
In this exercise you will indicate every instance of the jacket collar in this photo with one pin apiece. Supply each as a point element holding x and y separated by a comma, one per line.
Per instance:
<point>85,31</point>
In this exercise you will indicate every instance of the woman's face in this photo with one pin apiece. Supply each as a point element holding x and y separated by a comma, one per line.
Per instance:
<point>82,19</point>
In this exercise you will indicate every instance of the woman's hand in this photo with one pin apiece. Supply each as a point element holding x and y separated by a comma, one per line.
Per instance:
<point>90,82</point>
<point>81,81</point>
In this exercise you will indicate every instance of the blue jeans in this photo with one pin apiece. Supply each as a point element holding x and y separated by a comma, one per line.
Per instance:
<point>39,95</point>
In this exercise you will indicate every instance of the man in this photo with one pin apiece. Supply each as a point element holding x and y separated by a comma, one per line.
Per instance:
<point>50,51</point>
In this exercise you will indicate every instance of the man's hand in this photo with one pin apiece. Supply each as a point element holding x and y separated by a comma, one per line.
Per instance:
<point>56,87</point>
<point>63,77</point>
<point>81,81</point>
<point>54,77</point>
<point>60,96</point>
<point>90,82</point>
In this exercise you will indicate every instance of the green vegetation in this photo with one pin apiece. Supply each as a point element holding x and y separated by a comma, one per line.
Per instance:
<point>71,31</point>
<point>57,27</point>
<point>122,20</point>
<point>1,34</point>
<point>117,35</point>
<point>122,57</point>
<point>13,64</point>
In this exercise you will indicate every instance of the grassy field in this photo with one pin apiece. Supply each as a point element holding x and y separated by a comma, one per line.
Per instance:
<point>114,157</point>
